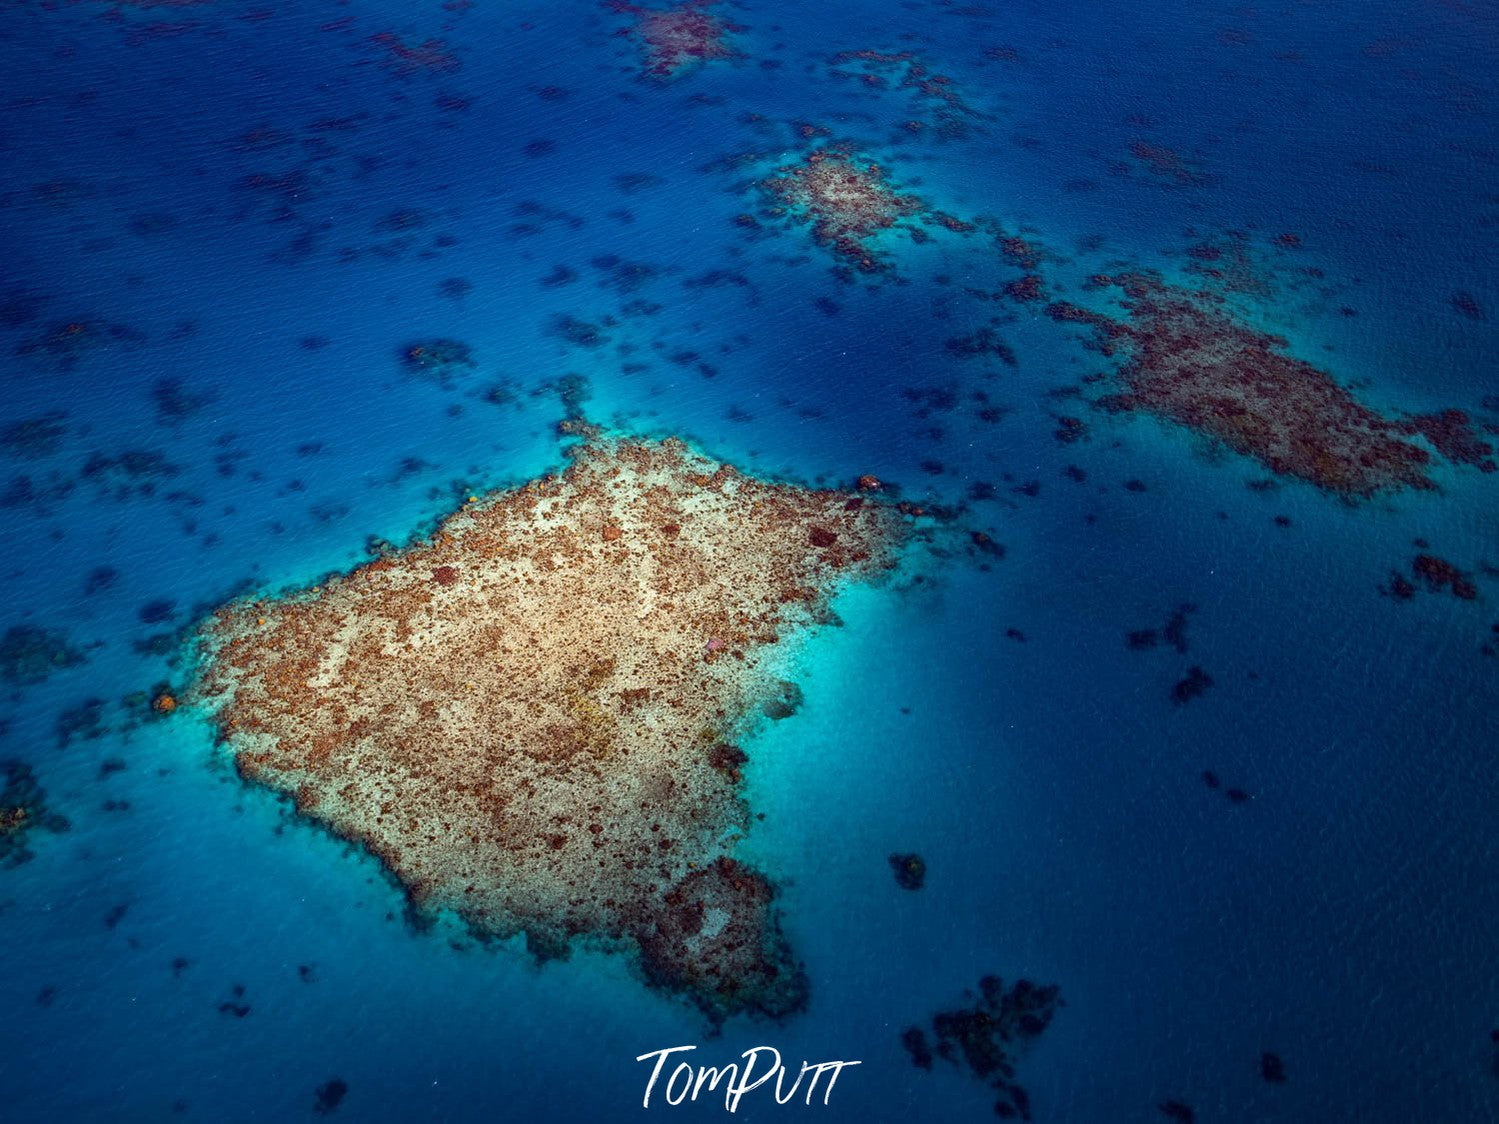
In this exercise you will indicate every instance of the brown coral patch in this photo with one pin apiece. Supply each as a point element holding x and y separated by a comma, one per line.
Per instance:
<point>718,940</point>
<point>848,202</point>
<point>678,38</point>
<point>1188,358</point>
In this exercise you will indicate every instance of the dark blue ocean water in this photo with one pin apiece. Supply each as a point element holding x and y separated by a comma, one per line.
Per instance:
<point>250,211</point>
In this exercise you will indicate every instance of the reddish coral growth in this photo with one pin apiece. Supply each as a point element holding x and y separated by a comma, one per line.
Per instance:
<point>952,223</point>
<point>728,759</point>
<point>1399,588</point>
<point>1188,359</point>
<point>719,941</point>
<point>1026,289</point>
<point>678,38</point>
<point>903,70</point>
<point>1019,252</point>
<point>1106,329</point>
<point>1439,574</point>
<point>847,201</point>
<point>1228,267</point>
<point>1167,162</point>
<point>1466,303</point>
<point>445,575</point>
<point>1452,432</point>
<point>1070,429</point>
<point>431,55</point>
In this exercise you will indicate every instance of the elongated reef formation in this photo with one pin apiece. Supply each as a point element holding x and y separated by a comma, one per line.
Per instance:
<point>529,716</point>
<point>1188,358</point>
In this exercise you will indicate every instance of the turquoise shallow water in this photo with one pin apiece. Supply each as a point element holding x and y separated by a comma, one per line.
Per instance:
<point>1341,918</point>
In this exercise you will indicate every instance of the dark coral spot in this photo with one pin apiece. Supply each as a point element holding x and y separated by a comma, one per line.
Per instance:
<point>158,611</point>
<point>910,870</point>
<point>1196,682</point>
<point>330,1095</point>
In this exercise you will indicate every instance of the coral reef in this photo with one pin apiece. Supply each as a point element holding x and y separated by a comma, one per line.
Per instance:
<point>430,56</point>
<point>34,438</point>
<point>986,1037</point>
<point>910,870</point>
<point>438,359</point>
<point>526,717</point>
<point>330,1095</point>
<point>1168,163</point>
<point>29,654</point>
<point>1195,683</point>
<point>718,941</point>
<point>23,809</point>
<point>1452,433</point>
<point>62,346</point>
<point>881,71</point>
<point>848,202</point>
<point>1188,358</point>
<point>1439,574</point>
<point>84,721</point>
<point>679,38</point>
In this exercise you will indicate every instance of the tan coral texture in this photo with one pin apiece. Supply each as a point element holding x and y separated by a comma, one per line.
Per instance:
<point>529,716</point>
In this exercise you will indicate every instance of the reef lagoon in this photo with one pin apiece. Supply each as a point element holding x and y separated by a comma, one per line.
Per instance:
<point>960,539</point>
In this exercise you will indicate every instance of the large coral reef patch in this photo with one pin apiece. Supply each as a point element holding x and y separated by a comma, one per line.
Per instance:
<point>527,716</point>
<point>1185,356</point>
<point>678,38</point>
<point>849,202</point>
